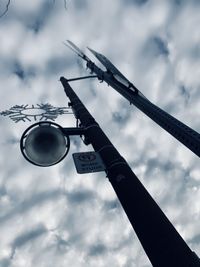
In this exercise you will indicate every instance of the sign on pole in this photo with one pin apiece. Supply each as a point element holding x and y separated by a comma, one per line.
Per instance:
<point>87,162</point>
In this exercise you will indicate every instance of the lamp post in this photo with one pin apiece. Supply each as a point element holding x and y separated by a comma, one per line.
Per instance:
<point>46,143</point>
<point>160,240</point>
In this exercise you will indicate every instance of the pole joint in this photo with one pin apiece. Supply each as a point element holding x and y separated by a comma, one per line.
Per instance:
<point>73,131</point>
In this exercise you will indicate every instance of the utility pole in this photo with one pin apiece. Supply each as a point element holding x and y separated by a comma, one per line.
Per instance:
<point>160,240</point>
<point>113,77</point>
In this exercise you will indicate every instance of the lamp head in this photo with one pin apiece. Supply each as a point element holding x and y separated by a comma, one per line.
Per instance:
<point>44,144</point>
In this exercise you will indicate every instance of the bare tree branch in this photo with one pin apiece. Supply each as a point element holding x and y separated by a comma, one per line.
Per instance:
<point>65,4</point>
<point>8,4</point>
<point>6,10</point>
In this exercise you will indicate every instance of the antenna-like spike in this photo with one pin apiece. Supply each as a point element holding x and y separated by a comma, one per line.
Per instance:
<point>115,72</point>
<point>71,48</point>
<point>77,50</point>
<point>108,65</point>
<point>92,51</point>
<point>98,56</point>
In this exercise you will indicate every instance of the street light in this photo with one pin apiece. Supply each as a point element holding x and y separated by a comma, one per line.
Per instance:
<point>160,240</point>
<point>44,144</point>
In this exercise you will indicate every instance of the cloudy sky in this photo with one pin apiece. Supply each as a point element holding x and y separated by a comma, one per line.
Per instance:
<point>54,216</point>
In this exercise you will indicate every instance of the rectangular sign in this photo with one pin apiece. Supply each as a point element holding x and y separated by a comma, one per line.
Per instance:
<point>87,162</point>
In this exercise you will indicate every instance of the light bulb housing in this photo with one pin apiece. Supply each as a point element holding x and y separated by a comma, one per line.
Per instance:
<point>44,144</point>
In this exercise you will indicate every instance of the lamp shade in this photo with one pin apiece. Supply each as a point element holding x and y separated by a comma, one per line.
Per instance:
<point>44,144</point>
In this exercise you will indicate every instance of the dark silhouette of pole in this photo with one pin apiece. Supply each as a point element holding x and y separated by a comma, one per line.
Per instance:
<point>160,240</point>
<point>183,133</point>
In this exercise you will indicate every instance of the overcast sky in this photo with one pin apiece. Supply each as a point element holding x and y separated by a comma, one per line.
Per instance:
<point>53,216</point>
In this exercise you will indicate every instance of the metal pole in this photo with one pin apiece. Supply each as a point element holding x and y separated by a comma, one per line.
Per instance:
<point>183,133</point>
<point>160,240</point>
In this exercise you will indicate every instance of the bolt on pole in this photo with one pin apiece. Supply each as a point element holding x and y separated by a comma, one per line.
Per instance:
<point>160,240</point>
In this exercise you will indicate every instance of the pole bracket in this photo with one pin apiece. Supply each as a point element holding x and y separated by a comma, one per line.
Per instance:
<point>73,131</point>
<point>82,78</point>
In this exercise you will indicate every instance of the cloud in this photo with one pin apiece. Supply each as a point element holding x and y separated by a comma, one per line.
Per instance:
<point>27,237</point>
<point>27,204</point>
<point>157,47</point>
<point>53,216</point>
<point>97,250</point>
<point>136,2</point>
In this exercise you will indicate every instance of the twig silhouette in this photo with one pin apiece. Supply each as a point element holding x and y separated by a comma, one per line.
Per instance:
<point>8,4</point>
<point>6,10</point>
<point>65,4</point>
